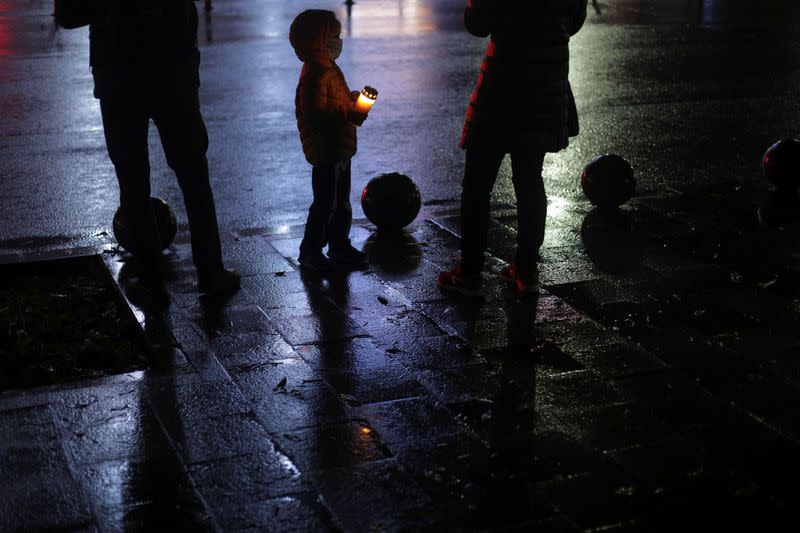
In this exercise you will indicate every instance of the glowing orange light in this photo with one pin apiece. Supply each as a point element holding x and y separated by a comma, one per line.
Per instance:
<point>366,431</point>
<point>366,99</point>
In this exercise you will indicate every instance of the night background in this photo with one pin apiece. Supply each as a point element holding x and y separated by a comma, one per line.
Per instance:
<point>652,383</point>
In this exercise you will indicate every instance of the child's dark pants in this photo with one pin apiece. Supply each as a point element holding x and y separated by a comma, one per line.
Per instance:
<point>480,174</point>
<point>183,135</point>
<point>330,214</point>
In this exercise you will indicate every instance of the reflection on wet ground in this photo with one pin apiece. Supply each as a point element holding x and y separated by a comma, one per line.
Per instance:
<point>646,384</point>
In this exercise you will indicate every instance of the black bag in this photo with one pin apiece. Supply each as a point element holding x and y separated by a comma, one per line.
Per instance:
<point>71,14</point>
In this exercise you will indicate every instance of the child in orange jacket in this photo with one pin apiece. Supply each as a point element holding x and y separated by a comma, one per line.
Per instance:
<point>327,124</point>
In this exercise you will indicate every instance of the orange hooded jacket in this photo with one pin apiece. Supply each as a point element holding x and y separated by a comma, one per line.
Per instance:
<point>323,99</point>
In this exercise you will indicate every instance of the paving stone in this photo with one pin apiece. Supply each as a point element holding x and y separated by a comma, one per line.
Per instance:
<point>443,352</point>
<point>331,446</point>
<point>270,349</point>
<point>154,493</point>
<point>38,486</point>
<point>254,256</point>
<point>615,426</point>
<point>545,357</point>
<point>483,327</point>
<point>179,514</point>
<point>110,423</point>
<point>559,254</point>
<point>422,286</point>
<point>555,524</point>
<point>687,348</point>
<point>207,365</point>
<point>400,329</point>
<point>286,245</point>
<point>26,425</point>
<point>284,514</point>
<point>764,396</point>
<point>560,237</point>
<point>572,334</point>
<point>331,324</point>
<point>616,499</point>
<point>657,464</point>
<point>243,479</point>
<point>580,389</point>
<point>360,372</point>
<point>760,345</point>
<point>44,503</point>
<point>710,502</point>
<point>472,486</point>
<point>452,471</point>
<point>618,360</point>
<point>373,496</point>
<point>192,403</point>
<point>291,395</point>
<point>19,464</point>
<point>302,304</point>
<point>553,309</point>
<point>268,291</point>
<point>674,398</point>
<point>365,291</point>
<point>219,438</point>
<point>350,355</point>
<point>460,383</point>
<point>557,274</point>
<point>402,422</point>
<point>235,321</point>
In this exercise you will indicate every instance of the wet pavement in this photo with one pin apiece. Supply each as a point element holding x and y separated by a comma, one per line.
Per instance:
<point>651,385</point>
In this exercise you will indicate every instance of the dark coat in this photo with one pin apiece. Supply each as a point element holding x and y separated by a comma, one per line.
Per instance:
<point>145,46</point>
<point>523,92</point>
<point>322,99</point>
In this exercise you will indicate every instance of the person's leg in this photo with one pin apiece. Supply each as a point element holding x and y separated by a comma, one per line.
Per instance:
<point>323,177</point>
<point>526,172</point>
<point>340,250</point>
<point>185,142</point>
<point>342,217</point>
<point>125,124</point>
<point>480,174</point>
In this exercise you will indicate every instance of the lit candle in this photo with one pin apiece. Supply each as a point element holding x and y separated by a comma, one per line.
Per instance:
<point>366,98</point>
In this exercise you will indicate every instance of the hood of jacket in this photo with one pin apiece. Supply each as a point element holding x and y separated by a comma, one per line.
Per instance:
<point>309,34</point>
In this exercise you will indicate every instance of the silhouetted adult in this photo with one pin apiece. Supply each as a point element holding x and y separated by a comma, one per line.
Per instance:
<point>145,63</point>
<point>523,106</point>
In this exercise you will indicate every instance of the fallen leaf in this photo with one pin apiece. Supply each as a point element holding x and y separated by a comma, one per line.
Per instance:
<point>281,384</point>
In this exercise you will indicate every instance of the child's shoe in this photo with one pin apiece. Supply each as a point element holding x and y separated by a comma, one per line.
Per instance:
<point>523,282</point>
<point>349,257</point>
<point>456,280</point>
<point>315,263</point>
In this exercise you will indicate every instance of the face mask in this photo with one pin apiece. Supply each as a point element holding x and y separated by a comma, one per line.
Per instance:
<point>334,48</point>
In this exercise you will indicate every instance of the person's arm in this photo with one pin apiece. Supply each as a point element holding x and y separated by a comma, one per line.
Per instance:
<point>70,14</point>
<point>318,107</point>
<point>478,17</point>
<point>578,18</point>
